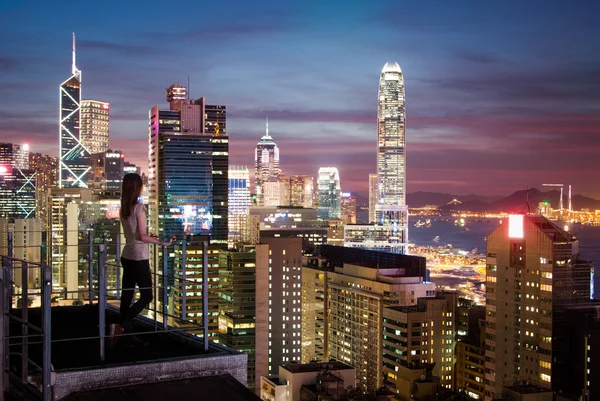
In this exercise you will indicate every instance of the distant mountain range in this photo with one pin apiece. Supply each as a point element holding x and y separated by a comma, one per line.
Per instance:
<point>515,202</point>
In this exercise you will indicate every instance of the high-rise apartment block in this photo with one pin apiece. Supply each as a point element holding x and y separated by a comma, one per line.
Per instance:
<point>329,193</point>
<point>278,304</point>
<point>266,165</point>
<point>417,335</point>
<point>348,205</point>
<point>357,285</point>
<point>74,156</point>
<point>237,304</point>
<point>95,119</point>
<point>239,203</point>
<point>534,272</point>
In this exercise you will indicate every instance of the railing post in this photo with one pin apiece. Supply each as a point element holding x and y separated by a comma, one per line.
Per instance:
<point>165,302</point>
<point>24,324</point>
<point>102,283</point>
<point>46,338</point>
<point>205,293</point>
<point>118,263</point>
<point>155,286</point>
<point>91,265</point>
<point>4,305</point>
<point>183,282</point>
<point>9,265</point>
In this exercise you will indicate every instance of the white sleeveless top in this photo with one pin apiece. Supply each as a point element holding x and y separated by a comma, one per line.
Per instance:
<point>134,249</point>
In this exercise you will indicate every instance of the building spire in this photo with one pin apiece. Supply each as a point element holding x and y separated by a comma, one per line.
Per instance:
<point>267,129</point>
<point>74,66</point>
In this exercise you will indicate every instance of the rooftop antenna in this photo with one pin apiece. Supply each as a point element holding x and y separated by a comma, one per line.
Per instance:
<point>267,130</point>
<point>74,69</point>
<point>188,88</point>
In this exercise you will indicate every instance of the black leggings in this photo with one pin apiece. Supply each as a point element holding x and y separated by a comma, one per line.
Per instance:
<point>134,272</point>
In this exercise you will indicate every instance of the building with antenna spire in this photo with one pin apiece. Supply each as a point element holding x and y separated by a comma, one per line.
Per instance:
<point>74,163</point>
<point>266,162</point>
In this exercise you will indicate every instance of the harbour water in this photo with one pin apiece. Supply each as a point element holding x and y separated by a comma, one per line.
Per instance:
<point>474,232</point>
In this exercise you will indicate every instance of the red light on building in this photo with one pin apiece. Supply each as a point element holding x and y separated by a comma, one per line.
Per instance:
<point>105,106</point>
<point>3,170</point>
<point>122,155</point>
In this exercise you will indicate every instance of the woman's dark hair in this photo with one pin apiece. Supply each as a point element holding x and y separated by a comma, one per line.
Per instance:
<point>130,192</point>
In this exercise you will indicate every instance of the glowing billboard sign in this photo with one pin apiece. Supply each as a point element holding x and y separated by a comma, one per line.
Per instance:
<point>515,226</point>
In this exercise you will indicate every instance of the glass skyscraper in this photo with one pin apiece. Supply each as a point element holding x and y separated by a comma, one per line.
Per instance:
<point>329,193</point>
<point>266,160</point>
<point>239,202</point>
<point>391,136</point>
<point>74,163</point>
<point>391,206</point>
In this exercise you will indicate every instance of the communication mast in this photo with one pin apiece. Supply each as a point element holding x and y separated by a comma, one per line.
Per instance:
<point>560,202</point>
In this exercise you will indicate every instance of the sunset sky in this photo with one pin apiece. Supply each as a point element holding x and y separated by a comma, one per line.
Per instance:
<point>501,95</point>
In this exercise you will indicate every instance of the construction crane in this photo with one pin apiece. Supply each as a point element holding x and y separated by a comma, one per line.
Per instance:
<point>560,203</point>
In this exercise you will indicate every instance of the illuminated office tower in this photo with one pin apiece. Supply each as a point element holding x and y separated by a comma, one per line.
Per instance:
<point>391,209</point>
<point>95,119</point>
<point>301,191</point>
<point>348,208</point>
<point>373,196</point>
<point>278,304</point>
<point>22,156</point>
<point>266,164</point>
<point>74,163</point>
<point>181,154</point>
<point>131,168</point>
<point>534,273</point>
<point>329,193</point>
<point>17,186</point>
<point>276,192</point>
<point>239,203</point>
<point>108,169</point>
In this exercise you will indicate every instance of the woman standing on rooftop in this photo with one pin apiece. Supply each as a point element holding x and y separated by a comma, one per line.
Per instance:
<point>135,258</point>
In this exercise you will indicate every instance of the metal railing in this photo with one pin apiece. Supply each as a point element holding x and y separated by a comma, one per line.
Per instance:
<point>96,289</point>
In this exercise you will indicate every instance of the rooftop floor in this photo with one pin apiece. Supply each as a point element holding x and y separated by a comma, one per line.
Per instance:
<point>75,342</point>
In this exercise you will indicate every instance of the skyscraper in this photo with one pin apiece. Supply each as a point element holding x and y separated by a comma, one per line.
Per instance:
<point>95,125</point>
<point>391,209</point>
<point>391,136</point>
<point>21,153</point>
<point>534,273</point>
<point>348,208</point>
<point>278,304</point>
<point>266,161</point>
<point>329,193</point>
<point>17,185</point>
<point>239,202</point>
<point>373,196</point>
<point>301,191</point>
<point>107,172</point>
<point>74,163</point>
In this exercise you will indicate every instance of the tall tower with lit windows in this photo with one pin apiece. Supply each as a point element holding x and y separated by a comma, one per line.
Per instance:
<point>391,209</point>
<point>74,157</point>
<point>534,274</point>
